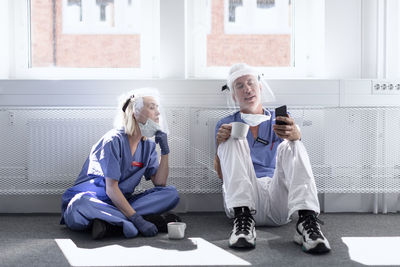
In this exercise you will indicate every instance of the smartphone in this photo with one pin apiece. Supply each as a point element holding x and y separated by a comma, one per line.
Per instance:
<point>281,111</point>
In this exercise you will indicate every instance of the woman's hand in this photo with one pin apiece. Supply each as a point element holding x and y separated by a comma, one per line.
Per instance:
<point>162,139</point>
<point>146,228</point>
<point>161,176</point>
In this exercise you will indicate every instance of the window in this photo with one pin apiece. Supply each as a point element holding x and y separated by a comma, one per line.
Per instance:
<point>256,16</point>
<point>89,38</point>
<point>101,17</point>
<point>262,33</point>
<point>303,38</point>
<point>248,30</point>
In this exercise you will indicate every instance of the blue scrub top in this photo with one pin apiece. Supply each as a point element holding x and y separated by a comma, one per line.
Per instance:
<point>263,152</point>
<point>111,157</point>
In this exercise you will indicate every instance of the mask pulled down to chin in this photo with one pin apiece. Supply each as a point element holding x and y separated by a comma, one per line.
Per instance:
<point>149,129</point>
<point>254,119</point>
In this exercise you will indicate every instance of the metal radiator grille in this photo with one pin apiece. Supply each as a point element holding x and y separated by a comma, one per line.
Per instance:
<point>352,150</point>
<point>44,148</point>
<point>56,146</point>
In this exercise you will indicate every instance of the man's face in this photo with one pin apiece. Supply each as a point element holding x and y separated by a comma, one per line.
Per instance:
<point>247,92</point>
<point>149,110</point>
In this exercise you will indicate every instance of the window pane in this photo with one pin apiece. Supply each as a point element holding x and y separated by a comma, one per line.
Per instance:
<point>258,32</point>
<point>85,33</point>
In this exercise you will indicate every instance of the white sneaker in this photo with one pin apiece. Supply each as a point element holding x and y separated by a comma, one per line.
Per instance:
<point>309,236</point>
<point>243,234</point>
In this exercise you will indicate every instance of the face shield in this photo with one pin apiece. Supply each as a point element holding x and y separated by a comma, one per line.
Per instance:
<point>147,110</point>
<point>238,70</point>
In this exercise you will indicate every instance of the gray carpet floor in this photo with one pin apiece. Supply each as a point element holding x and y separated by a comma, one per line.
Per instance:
<point>29,240</point>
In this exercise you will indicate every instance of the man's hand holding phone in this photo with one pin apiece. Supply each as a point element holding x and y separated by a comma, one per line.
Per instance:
<point>285,126</point>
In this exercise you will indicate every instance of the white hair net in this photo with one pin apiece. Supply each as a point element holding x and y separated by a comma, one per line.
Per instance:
<point>145,103</point>
<point>241,69</point>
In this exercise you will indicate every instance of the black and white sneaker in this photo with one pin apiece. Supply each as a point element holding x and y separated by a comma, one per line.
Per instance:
<point>243,234</point>
<point>309,236</point>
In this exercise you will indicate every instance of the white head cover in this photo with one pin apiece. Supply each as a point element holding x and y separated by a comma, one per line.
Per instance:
<point>241,69</point>
<point>147,126</point>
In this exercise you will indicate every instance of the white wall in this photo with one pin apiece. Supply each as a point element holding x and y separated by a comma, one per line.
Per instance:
<point>343,38</point>
<point>172,39</point>
<point>293,92</point>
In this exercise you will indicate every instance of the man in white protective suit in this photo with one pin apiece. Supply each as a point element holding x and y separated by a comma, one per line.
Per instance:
<point>267,176</point>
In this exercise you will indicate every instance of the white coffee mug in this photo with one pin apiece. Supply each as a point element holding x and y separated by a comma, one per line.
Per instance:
<point>176,230</point>
<point>239,130</point>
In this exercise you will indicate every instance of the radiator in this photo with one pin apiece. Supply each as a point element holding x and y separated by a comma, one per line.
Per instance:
<point>352,150</point>
<point>43,149</point>
<point>57,148</point>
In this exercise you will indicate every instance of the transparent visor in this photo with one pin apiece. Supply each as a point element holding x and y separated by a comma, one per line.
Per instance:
<point>266,94</point>
<point>150,115</point>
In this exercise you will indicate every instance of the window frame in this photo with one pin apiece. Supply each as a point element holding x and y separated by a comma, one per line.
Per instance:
<point>149,43</point>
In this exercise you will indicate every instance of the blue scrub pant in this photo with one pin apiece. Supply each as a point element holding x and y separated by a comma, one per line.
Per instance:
<point>85,206</point>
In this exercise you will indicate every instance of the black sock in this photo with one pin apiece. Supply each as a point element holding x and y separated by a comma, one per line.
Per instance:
<point>241,210</point>
<point>305,213</point>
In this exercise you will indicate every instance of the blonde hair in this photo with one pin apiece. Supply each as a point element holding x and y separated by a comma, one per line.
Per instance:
<point>129,120</point>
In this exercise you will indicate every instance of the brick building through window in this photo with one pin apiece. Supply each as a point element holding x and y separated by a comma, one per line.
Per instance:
<point>85,33</point>
<point>258,32</point>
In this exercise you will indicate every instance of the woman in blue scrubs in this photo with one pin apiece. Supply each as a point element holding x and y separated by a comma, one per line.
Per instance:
<point>103,192</point>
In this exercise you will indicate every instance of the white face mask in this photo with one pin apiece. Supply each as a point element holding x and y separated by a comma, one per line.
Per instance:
<point>254,119</point>
<point>149,129</point>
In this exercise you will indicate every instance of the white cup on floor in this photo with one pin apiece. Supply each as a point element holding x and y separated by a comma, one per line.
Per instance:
<point>176,230</point>
<point>239,130</point>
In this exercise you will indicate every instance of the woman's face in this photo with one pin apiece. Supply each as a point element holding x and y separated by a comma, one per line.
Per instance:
<point>149,110</point>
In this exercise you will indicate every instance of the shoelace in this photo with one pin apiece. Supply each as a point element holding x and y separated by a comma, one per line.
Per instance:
<point>311,226</point>
<point>243,224</point>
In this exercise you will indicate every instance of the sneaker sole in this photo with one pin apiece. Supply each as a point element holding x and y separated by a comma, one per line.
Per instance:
<point>321,248</point>
<point>243,243</point>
